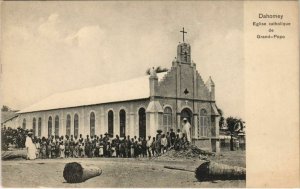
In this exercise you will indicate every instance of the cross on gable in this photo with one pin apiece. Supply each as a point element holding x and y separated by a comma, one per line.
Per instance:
<point>183,32</point>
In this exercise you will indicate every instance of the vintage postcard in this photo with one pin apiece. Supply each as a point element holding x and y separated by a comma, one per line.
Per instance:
<point>154,94</point>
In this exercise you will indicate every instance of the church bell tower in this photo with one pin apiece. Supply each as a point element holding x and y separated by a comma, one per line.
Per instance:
<point>184,51</point>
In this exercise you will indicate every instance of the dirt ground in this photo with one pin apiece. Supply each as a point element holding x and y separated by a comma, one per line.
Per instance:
<point>116,172</point>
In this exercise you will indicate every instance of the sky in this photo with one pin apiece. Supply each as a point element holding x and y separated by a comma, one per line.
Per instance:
<point>50,47</point>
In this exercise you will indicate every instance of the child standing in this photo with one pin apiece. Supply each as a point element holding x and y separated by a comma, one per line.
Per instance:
<point>43,148</point>
<point>38,147</point>
<point>101,149</point>
<point>62,149</point>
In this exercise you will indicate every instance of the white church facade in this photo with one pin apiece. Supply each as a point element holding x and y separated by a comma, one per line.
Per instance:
<point>136,107</point>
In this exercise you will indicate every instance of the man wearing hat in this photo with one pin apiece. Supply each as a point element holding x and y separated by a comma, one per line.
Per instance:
<point>30,147</point>
<point>187,129</point>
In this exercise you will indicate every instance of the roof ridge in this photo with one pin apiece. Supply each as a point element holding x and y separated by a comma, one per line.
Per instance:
<point>95,86</point>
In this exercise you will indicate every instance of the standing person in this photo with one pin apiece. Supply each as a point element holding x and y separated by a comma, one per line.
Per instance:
<point>132,145</point>
<point>57,139</point>
<point>139,147</point>
<point>164,143</point>
<point>113,149</point>
<point>97,142</point>
<point>128,147</point>
<point>81,146</point>
<point>117,145</point>
<point>43,148</point>
<point>158,142</point>
<point>168,140</point>
<point>122,148</point>
<point>105,145</point>
<point>144,147</point>
<point>149,142</point>
<point>49,148</point>
<point>108,149</point>
<point>177,143</point>
<point>76,147</point>
<point>67,146</point>
<point>53,148</point>
<point>30,147</point>
<point>38,147</point>
<point>62,149</point>
<point>101,153</point>
<point>179,133</point>
<point>87,147</point>
<point>172,136</point>
<point>93,146</point>
<point>187,130</point>
<point>153,145</point>
<point>71,144</point>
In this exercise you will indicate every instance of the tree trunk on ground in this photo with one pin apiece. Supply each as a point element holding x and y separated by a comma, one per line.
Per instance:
<point>75,172</point>
<point>209,171</point>
<point>7,155</point>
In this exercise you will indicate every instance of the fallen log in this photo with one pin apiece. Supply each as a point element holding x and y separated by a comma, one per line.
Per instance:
<point>215,171</point>
<point>75,172</point>
<point>7,155</point>
<point>178,168</point>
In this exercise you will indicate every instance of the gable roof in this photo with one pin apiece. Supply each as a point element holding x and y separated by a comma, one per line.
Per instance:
<point>133,89</point>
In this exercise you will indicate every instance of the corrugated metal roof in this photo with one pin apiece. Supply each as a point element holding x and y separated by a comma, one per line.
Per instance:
<point>137,88</point>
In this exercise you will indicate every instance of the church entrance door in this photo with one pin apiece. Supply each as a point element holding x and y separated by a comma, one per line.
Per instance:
<point>142,122</point>
<point>188,114</point>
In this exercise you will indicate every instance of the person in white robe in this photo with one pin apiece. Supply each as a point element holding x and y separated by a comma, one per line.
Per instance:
<point>187,129</point>
<point>30,147</point>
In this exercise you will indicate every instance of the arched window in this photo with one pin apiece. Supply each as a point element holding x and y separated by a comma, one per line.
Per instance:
<point>167,119</point>
<point>24,124</point>
<point>68,125</point>
<point>50,126</point>
<point>110,122</point>
<point>56,131</point>
<point>122,115</point>
<point>34,126</point>
<point>142,122</point>
<point>76,125</point>
<point>40,127</point>
<point>92,124</point>
<point>204,124</point>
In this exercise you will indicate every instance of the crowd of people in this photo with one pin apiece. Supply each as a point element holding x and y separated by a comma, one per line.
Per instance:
<point>100,146</point>
<point>14,137</point>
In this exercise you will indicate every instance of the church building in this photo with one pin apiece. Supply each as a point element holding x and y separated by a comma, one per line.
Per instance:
<point>135,107</point>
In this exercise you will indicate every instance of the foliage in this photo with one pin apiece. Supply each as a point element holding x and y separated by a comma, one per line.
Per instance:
<point>234,124</point>
<point>222,119</point>
<point>5,108</point>
<point>158,69</point>
<point>221,122</point>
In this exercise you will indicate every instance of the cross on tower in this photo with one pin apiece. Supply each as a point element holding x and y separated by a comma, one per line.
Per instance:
<point>183,32</point>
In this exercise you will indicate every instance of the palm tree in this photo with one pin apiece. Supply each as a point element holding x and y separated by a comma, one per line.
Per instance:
<point>234,126</point>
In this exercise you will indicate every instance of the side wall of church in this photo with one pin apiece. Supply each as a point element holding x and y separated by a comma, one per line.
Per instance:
<point>101,118</point>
